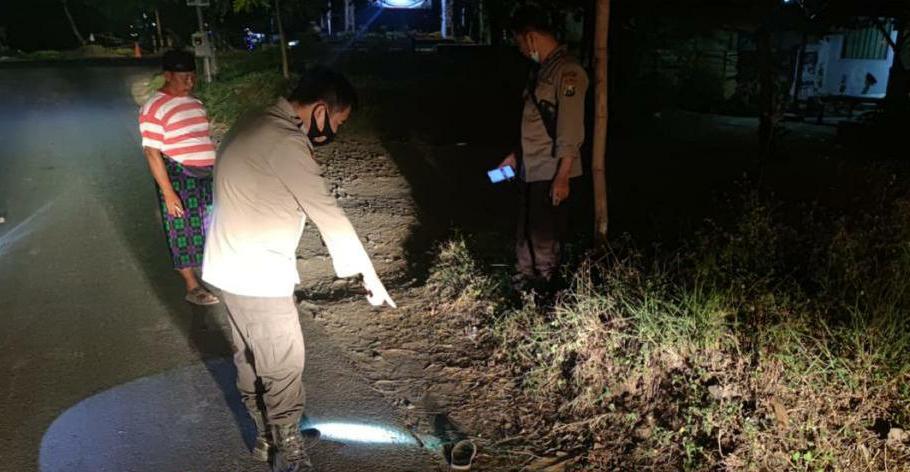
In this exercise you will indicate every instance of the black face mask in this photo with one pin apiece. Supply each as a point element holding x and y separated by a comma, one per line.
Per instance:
<point>327,132</point>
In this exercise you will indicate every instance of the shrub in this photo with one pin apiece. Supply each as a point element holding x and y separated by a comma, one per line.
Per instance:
<point>769,344</point>
<point>229,98</point>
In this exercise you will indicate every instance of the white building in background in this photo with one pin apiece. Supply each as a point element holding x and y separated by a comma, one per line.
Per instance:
<point>852,63</point>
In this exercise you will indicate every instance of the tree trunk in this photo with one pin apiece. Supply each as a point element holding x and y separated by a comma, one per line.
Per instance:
<point>896,93</point>
<point>445,14</point>
<point>349,16</point>
<point>765,93</point>
<point>798,75</point>
<point>161,44</point>
<point>284,42</point>
<point>497,20</point>
<point>328,19</point>
<point>69,17</point>
<point>482,36</point>
<point>598,168</point>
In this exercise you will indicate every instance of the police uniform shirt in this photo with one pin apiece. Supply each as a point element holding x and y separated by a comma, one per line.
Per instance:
<point>267,185</point>
<point>561,84</point>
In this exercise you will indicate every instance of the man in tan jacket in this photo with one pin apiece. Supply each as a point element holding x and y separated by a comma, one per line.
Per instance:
<point>266,186</point>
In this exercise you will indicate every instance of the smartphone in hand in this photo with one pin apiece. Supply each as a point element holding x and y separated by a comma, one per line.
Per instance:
<point>501,174</point>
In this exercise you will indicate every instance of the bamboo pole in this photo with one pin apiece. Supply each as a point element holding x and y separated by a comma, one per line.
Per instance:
<point>598,167</point>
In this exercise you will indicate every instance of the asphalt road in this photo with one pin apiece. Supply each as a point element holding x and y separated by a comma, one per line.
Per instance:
<point>103,367</point>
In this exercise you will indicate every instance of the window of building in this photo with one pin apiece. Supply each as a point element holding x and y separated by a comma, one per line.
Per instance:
<point>866,43</point>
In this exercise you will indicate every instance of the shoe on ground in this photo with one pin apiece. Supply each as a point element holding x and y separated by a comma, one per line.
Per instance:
<point>263,449</point>
<point>264,446</point>
<point>462,455</point>
<point>522,282</point>
<point>290,450</point>
<point>202,297</point>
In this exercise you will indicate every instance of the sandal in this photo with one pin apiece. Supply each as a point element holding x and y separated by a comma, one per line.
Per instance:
<point>462,455</point>
<point>201,296</point>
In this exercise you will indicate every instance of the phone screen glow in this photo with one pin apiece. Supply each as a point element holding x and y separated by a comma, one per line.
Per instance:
<point>499,175</point>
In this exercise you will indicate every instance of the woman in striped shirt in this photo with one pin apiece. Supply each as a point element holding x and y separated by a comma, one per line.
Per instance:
<point>180,153</point>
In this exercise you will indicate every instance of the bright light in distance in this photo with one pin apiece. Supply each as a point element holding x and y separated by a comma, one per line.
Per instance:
<point>408,4</point>
<point>293,43</point>
<point>362,433</point>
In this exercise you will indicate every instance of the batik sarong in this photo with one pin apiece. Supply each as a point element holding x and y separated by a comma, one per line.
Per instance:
<point>186,235</point>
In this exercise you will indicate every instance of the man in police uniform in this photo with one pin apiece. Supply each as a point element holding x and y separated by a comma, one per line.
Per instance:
<point>552,132</point>
<point>268,184</point>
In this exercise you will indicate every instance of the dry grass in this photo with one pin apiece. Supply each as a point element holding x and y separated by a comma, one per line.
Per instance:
<point>458,279</point>
<point>766,346</point>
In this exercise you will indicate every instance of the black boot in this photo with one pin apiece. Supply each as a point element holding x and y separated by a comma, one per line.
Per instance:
<point>264,445</point>
<point>290,450</point>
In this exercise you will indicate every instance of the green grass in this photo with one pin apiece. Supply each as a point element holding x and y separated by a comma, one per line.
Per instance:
<point>228,99</point>
<point>88,51</point>
<point>779,342</point>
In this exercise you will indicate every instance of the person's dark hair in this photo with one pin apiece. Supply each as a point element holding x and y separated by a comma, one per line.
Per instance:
<point>531,19</point>
<point>321,83</point>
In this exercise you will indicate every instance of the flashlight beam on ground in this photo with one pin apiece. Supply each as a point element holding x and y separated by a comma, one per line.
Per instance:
<point>362,433</point>
<point>21,230</point>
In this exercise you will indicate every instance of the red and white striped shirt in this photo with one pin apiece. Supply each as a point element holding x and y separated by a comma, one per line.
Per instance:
<point>179,128</point>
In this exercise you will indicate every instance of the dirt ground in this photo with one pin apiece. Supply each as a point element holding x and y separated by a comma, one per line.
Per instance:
<point>419,359</point>
<point>405,198</point>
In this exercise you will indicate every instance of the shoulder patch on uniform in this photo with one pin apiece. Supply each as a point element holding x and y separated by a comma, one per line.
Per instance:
<point>569,82</point>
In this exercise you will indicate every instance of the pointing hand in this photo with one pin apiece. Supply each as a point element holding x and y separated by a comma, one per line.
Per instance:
<point>377,294</point>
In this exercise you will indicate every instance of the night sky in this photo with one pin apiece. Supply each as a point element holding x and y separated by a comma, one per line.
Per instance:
<point>41,24</point>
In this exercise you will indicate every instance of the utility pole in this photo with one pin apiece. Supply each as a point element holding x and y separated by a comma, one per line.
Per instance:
<point>206,64</point>
<point>201,42</point>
